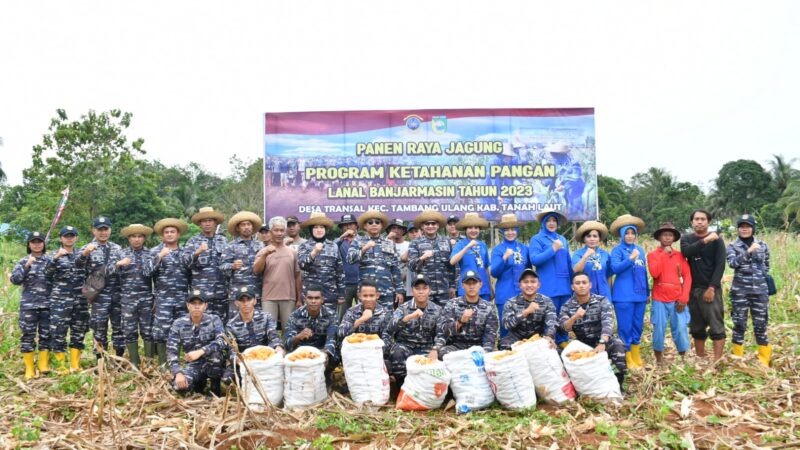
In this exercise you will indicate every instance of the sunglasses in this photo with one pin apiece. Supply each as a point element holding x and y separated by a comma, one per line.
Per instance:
<point>374,222</point>
<point>427,224</point>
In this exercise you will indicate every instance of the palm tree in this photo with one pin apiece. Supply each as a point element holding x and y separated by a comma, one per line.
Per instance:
<point>782,171</point>
<point>790,201</point>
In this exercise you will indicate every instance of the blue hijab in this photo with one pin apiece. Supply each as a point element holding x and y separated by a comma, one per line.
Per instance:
<point>639,270</point>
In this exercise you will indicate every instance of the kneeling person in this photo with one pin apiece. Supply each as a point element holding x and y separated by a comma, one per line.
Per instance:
<point>315,326</point>
<point>369,316</point>
<point>251,326</point>
<point>591,318</point>
<point>528,313</point>
<point>414,329</point>
<point>469,320</point>
<point>201,337</point>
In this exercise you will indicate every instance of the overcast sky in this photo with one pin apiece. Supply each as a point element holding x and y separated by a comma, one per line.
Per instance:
<point>682,85</point>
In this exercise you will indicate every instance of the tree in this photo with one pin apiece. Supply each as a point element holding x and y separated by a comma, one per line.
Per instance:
<point>657,197</point>
<point>790,203</point>
<point>782,172</point>
<point>612,197</point>
<point>742,186</point>
<point>243,190</point>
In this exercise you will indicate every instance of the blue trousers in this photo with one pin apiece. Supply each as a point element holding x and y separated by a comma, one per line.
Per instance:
<point>558,301</point>
<point>663,314</point>
<point>630,322</point>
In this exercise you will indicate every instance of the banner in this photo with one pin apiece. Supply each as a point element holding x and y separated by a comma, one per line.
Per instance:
<point>489,161</point>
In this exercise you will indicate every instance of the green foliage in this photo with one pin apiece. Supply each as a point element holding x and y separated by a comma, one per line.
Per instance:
<point>789,202</point>
<point>607,429</point>
<point>613,198</point>
<point>657,197</point>
<point>742,186</point>
<point>324,442</point>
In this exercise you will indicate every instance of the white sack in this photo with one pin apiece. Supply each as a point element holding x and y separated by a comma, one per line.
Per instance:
<point>510,380</point>
<point>469,383</point>
<point>549,376</point>
<point>425,386</point>
<point>269,374</point>
<point>304,380</point>
<point>591,377</point>
<point>365,372</point>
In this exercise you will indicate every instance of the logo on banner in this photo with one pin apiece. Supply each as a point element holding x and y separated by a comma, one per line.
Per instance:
<point>439,124</point>
<point>413,122</point>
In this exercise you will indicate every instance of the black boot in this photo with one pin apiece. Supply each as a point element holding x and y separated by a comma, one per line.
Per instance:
<point>621,379</point>
<point>216,389</point>
<point>120,351</point>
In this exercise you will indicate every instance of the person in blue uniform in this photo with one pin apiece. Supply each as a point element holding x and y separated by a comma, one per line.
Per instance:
<point>470,253</point>
<point>509,259</point>
<point>592,258</point>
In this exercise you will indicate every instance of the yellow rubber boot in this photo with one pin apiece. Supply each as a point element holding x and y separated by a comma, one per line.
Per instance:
<point>30,372</point>
<point>636,356</point>
<point>74,359</point>
<point>765,354</point>
<point>61,363</point>
<point>563,345</point>
<point>44,362</point>
<point>629,360</point>
<point>738,349</point>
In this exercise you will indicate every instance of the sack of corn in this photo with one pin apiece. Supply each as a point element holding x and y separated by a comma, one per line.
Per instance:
<point>468,379</point>
<point>425,386</point>
<point>590,372</point>
<point>267,367</point>
<point>510,379</point>
<point>549,376</point>
<point>304,378</point>
<point>364,369</point>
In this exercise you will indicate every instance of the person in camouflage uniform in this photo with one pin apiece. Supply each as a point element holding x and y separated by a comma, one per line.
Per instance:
<point>529,313</point>
<point>413,329</point>
<point>349,226</point>
<point>34,305</point>
<point>250,326</point>
<point>378,259</point>
<point>96,256</point>
<point>170,279</point>
<point>320,262</point>
<point>203,254</point>
<point>591,317</point>
<point>429,255</point>
<point>69,310</point>
<point>201,336</point>
<point>749,259</point>
<point>315,326</point>
<point>469,320</point>
<point>240,254</point>
<point>368,316</point>
<point>136,291</point>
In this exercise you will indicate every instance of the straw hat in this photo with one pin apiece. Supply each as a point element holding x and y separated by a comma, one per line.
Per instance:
<point>318,218</point>
<point>430,215</point>
<point>590,225</point>
<point>170,222</point>
<point>243,216</point>
<point>136,228</point>
<point>509,221</point>
<point>472,220</point>
<point>372,214</point>
<point>626,219</point>
<point>207,212</point>
<point>508,150</point>
<point>562,219</point>
<point>558,147</point>
<point>667,226</point>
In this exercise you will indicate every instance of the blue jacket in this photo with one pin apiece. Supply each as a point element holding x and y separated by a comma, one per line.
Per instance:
<point>554,268</point>
<point>631,284</point>
<point>598,267</point>
<point>507,272</point>
<point>477,259</point>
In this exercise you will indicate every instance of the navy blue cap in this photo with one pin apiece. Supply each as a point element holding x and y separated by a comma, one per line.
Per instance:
<point>245,291</point>
<point>67,230</point>
<point>453,219</point>
<point>746,218</point>
<point>196,294</point>
<point>348,218</point>
<point>101,222</point>
<point>35,235</point>
<point>527,272</point>
<point>398,223</point>
<point>292,219</point>
<point>420,278</point>
<point>470,275</point>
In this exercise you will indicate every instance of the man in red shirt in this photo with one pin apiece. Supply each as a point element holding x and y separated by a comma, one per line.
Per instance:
<point>672,282</point>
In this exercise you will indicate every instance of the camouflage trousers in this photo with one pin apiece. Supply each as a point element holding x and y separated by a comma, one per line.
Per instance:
<point>198,372</point>
<point>137,319</point>
<point>107,308</point>
<point>758,307</point>
<point>166,311</point>
<point>399,353</point>
<point>68,314</point>
<point>31,321</point>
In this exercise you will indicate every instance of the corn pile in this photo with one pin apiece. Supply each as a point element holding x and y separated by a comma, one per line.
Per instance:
<point>533,338</point>
<point>302,354</point>
<point>505,354</point>
<point>574,356</point>
<point>357,338</point>
<point>423,361</point>
<point>259,354</point>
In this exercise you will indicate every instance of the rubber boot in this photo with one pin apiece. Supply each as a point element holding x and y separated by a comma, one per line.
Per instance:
<point>161,348</point>
<point>44,361</point>
<point>636,357</point>
<point>61,363</point>
<point>765,354</point>
<point>216,388</point>
<point>74,359</point>
<point>621,380</point>
<point>133,354</point>
<point>120,351</point>
<point>149,349</point>
<point>629,360</point>
<point>738,349</point>
<point>563,345</point>
<point>30,371</point>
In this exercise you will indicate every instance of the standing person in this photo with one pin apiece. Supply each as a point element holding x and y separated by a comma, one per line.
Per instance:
<point>508,261</point>
<point>454,235</point>
<point>590,317</point>
<point>706,254</point>
<point>368,316</point>
<point>471,253</point>
<point>293,239</point>
<point>469,320</point>
<point>281,287</point>
<point>672,281</point>
<point>396,232</point>
<point>34,305</point>
<point>240,254</point>
<point>95,256</point>
<point>315,326</point>
<point>377,258</point>
<point>203,253</point>
<point>549,253</point>
<point>202,339</point>
<point>269,166</point>
<point>349,226</point>
<point>412,234</point>
<point>592,258</point>
<point>263,234</point>
<point>136,292</point>
<point>413,330</point>
<point>429,255</point>
<point>320,261</point>
<point>69,310</point>
<point>749,259</point>
<point>529,313</point>
<point>631,289</point>
<point>170,274</point>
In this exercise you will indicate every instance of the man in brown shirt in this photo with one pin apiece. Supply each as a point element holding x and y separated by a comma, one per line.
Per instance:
<point>281,287</point>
